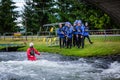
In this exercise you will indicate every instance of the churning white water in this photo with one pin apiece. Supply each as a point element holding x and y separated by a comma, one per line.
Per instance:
<point>15,66</point>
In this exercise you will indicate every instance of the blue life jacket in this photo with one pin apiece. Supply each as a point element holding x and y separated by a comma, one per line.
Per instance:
<point>69,32</point>
<point>65,29</point>
<point>60,32</point>
<point>74,30</point>
<point>80,29</point>
<point>86,31</point>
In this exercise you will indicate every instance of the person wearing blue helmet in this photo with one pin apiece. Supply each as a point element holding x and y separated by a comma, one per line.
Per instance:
<point>65,27</point>
<point>74,32</point>
<point>86,33</point>
<point>61,35</point>
<point>69,35</point>
<point>80,34</point>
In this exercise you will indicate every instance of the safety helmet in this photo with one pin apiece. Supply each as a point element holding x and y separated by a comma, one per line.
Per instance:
<point>31,44</point>
<point>76,21</point>
<point>67,23</point>
<point>79,21</point>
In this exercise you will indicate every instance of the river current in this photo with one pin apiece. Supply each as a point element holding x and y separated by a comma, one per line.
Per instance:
<point>15,66</point>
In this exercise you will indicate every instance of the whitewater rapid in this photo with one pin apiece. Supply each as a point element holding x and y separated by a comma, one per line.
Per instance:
<point>15,66</point>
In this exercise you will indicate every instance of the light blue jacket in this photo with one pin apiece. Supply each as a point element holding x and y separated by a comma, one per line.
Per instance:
<point>80,30</point>
<point>69,32</point>
<point>60,32</point>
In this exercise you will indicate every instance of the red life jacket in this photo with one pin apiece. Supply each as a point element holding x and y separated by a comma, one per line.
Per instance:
<point>31,54</point>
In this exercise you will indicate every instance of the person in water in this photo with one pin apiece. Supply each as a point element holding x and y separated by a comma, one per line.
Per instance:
<point>31,51</point>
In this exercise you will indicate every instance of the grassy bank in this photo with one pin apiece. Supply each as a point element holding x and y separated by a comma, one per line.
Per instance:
<point>101,46</point>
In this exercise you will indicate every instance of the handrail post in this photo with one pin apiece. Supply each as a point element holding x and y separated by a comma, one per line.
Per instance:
<point>32,35</point>
<point>4,35</point>
<point>105,34</point>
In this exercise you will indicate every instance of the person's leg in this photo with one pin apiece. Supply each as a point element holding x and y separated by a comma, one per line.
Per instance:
<point>67,42</point>
<point>60,42</point>
<point>74,39</point>
<point>64,42</point>
<point>89,39</point>
<point>82,42</point>
<point>84,39</point>
<point>79,41</point>
<point>70,40</point>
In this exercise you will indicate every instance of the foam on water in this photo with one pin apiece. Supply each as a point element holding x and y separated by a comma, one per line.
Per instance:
<point>48,69</point>
<point>113,70</point>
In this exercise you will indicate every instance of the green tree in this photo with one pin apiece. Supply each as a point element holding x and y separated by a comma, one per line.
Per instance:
<point>64,10</point>
<point>37,13</point>
<point>40,12</point>
<point>8,16</point>
<point>27,16</point>
<point>70,10</point>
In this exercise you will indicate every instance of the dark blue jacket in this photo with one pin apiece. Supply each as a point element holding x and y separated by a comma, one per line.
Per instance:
<point>74,30</point>
<point>86,31</point>
<point>80,30</point>
<point>69,32</point>
<point>60,32</point>
<point>65,29</point>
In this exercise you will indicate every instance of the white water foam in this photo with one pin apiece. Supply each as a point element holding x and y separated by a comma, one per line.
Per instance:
<point>113,70</point>
<point>47,69</point>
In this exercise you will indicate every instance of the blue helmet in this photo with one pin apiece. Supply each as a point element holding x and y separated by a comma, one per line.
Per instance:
<point>67,23</point>
<point>79,21</point>
<point>76,21</point>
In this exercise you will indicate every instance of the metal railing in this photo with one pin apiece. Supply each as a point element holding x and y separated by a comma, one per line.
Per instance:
<point>22,36</point>
<point>105,32</point>
<point>28,35</point>
<point>8,35</point>
<point>45,33</point>
<point>106,35</point>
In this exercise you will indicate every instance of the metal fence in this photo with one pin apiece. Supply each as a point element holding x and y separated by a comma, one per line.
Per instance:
<point>103,34</point>
<point>16,35</point>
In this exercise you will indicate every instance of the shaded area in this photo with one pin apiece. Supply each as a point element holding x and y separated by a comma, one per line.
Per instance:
<point>111,7</point>
<point>11,47</point>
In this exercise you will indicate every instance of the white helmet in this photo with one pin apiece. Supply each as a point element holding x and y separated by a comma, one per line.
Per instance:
<point>31,44</point>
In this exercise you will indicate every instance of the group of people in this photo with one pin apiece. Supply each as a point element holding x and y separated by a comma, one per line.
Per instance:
<point>73,35</point>
<point>68,36</point>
